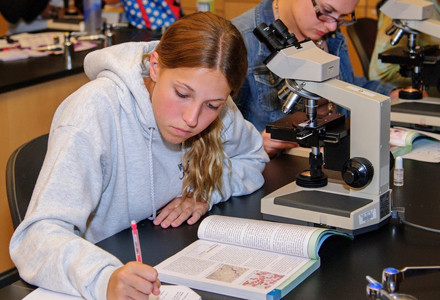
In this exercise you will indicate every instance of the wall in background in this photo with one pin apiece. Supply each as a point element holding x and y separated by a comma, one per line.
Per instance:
<point>3,26</point>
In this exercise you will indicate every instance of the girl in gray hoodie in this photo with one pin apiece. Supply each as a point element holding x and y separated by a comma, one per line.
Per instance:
<point>154,130</point>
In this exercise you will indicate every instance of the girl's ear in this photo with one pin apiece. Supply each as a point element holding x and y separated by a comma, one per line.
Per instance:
<point>154,65</point>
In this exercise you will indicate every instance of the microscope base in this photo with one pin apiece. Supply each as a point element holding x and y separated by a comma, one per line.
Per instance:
<point>421,114</point>
<point>334,206</point>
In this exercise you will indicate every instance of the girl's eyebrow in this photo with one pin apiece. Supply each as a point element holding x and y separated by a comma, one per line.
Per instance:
<point>185,85</point>
<point>192,90</point>
<point>326,6</point>
<point>331,8</point>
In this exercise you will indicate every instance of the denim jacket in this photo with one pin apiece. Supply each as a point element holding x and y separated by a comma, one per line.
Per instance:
<point>258,97</point>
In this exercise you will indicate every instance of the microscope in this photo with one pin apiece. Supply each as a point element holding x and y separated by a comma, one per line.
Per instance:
<point>421,64</point>
<point>358,146</point>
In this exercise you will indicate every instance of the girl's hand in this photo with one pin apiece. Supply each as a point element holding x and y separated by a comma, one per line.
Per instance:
<point>272,147</point>
<point>177,211</point>
<point>133,281</point>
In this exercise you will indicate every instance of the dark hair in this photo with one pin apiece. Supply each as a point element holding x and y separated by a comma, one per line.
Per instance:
<point>205,40</point>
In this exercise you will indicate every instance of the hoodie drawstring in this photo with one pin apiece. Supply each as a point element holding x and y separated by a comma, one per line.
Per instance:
<point>150,158</point>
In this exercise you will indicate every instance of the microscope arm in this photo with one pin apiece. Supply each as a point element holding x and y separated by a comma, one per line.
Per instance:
<point>369,124</point>
<point>408,9</point>
<point>415,14</point>
<point>430,27</point>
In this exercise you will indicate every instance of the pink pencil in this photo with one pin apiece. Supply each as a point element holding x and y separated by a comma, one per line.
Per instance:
<point>137,245</point>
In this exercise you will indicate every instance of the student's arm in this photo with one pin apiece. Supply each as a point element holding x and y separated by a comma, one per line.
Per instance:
<point>48,247</point>
<point>77,202</point>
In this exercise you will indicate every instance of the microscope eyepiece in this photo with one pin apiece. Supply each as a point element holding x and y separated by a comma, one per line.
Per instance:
<point>276,36</point>
<point>286,38</point>
<point>266,35</point>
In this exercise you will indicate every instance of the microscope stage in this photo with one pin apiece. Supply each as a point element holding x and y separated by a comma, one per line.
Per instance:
<point>423,114</point>
<point>331,206</point>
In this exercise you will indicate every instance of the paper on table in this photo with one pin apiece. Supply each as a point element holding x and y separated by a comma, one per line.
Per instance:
<point>167,292</point>
<point>33,40</point>
<point>4,44</point>
<point>175,292</point>
<point>43,294</point>
<point>17,54</point>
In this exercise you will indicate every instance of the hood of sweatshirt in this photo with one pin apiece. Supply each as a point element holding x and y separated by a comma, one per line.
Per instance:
<point>123,65</point>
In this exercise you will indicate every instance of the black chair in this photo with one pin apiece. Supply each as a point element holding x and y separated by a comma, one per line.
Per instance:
<point>363,36</point>
<point>22,171</point>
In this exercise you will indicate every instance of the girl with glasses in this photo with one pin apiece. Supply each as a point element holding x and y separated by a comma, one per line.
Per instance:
<point>316,19</point>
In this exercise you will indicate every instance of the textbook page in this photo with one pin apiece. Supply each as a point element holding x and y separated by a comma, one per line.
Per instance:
<point>271,236</point>
<point>415,144</point>
<point>426,150</point>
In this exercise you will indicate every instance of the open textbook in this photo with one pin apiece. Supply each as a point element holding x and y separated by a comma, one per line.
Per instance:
<point>249,259</point>
<point>415,144</point>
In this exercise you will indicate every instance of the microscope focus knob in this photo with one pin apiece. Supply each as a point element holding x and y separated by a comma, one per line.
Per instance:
<point>357,172</point>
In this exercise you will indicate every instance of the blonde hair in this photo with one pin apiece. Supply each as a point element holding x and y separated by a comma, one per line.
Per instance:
<point>205,40</point>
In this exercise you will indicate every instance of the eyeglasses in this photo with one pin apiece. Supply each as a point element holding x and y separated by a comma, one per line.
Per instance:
<point>344,20</point>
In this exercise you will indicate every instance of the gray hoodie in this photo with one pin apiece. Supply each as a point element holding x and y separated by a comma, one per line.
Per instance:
<point>107,164</point>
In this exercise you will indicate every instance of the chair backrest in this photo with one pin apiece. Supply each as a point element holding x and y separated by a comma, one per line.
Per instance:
<point>22,171</point>
<point>363,36</point>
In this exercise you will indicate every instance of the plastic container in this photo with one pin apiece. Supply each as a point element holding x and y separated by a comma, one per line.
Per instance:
<point>92,16</point>
<point>398,172</point>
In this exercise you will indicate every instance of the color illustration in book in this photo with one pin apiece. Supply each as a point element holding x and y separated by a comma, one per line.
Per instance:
<point>227,273</point>
<point>263,279</point>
